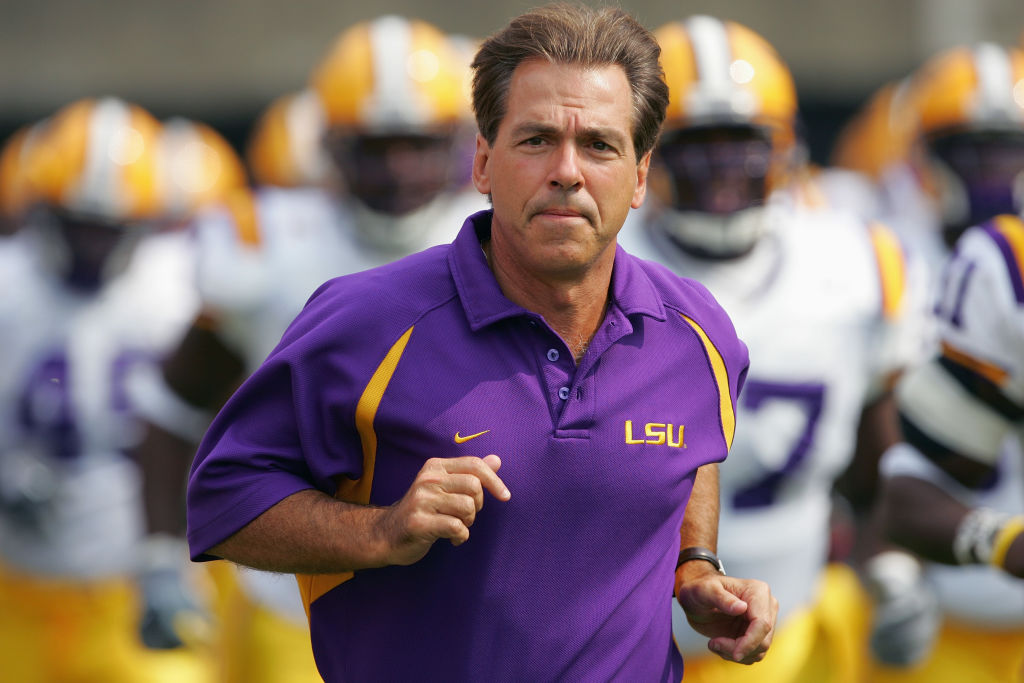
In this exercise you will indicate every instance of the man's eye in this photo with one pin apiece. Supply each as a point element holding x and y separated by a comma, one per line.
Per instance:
<point>535,141</point>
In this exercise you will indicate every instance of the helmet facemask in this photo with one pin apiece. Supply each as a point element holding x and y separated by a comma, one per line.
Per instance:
<point>393,174</point>
<point>86,251</point>
<point>979,174</point>
<point>720,178</point>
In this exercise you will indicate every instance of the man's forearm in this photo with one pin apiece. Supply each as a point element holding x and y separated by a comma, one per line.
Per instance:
<point>309,533</point>
<point>700,524</point>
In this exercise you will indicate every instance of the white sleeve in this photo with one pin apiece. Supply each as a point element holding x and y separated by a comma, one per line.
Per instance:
<point>232,273</point>
<point>970,396</point>
<point>904,332</point>
<point>155,401</point>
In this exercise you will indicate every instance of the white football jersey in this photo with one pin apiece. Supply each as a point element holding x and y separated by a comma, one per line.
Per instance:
<point>73,506</point>
<point>980,314</point>
<point>980,320</point>
<point>823,304</point>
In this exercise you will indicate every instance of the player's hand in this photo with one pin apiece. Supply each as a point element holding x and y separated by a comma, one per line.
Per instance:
<point>738,615</point>
<point>906,617</point>
<point>441,503</point>
<point>171,615</point>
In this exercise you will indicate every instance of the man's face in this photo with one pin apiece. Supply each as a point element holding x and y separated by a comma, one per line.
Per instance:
<point>562,173</point>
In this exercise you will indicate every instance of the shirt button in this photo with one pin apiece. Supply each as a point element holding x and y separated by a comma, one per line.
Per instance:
<point>563,393</point>
<point>552,355</point>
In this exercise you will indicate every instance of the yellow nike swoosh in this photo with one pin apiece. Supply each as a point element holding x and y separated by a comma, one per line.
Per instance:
<point>464,439</point>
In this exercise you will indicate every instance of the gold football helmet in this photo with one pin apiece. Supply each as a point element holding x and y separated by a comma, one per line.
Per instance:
<point>730,134</point>
<point>197,167</point>
<point>879,133</point>
<point>392,74</point>
<point>94,177</point>
<point>15,194</point>
<point>98,157</point>
<point>968,107</point>
<point>285,146</point>
<point>393,93</point>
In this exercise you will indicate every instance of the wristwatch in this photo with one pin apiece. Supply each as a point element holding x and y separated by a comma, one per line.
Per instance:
<point>698,553</point>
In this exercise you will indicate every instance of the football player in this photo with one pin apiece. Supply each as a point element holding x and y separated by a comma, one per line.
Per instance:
<point>88,298</point>
<point>945,146</point>
<point>869,156</point>
<point>963,115</point>
<point>826,307</point>
<point>955,488</point>
<point>392,94</point>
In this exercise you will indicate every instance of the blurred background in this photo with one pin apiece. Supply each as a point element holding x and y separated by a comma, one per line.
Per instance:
<point>222,61</point>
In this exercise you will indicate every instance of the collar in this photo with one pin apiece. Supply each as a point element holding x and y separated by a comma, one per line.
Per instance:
<point>632,292</point>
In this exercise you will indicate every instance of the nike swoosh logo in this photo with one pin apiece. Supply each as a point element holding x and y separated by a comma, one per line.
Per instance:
<point>464,439</point>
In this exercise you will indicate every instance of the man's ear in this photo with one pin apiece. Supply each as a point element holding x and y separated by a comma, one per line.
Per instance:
<point>481,167</point>
<point>642,170</point>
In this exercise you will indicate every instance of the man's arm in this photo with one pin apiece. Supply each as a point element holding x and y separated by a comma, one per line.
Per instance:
<point>738,615</point>
<point>310,533</point>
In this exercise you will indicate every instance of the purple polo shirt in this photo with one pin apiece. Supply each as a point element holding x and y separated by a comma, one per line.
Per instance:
<point>570,579</point>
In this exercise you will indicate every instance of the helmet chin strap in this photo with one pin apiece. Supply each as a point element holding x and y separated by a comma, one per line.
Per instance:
<point>717,236</point>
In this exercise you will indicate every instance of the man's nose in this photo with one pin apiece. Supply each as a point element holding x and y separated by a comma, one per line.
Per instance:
<point>565,168</point>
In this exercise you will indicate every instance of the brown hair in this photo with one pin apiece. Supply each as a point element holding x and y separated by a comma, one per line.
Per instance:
<point>578,35</point>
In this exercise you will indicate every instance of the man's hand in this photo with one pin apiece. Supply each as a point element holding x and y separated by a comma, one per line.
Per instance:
<point>738,615</point>
<point>441,503</point>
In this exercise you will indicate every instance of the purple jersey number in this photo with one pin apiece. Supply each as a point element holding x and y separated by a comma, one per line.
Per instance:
<point>811,397</point>
<point>950,302</point>
<point>46,409</point>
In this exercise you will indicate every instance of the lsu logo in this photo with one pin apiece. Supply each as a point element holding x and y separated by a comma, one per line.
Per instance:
<point>657,434</point>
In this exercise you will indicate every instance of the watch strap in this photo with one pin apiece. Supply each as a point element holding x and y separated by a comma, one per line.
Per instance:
<point>699,553</point>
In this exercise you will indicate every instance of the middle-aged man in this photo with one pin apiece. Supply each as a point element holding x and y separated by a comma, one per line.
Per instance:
<point>602,386</point>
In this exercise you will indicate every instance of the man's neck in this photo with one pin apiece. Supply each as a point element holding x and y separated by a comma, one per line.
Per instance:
<point>574,308</point>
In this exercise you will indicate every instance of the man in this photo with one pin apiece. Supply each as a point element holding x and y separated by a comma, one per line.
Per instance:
<point>823,303</point>
<point>354,448</point>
